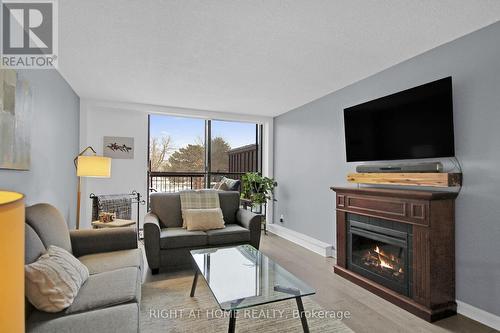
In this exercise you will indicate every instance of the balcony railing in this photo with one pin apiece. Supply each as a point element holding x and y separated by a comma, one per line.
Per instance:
<point>179,181</point>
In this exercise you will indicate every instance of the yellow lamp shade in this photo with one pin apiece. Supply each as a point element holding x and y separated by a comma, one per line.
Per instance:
<point>93,166</point>
<point>12,262</point>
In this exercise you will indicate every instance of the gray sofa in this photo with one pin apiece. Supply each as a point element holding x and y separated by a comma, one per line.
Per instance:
<point>109,300</point>
<point>167,244</point>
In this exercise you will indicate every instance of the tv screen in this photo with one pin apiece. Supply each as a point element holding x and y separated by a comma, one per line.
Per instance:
<point>415,123</point>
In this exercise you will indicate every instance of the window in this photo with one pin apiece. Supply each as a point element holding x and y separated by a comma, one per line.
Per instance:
<point>189,153</point>
<point>234,146</point>
<point>176,144</point>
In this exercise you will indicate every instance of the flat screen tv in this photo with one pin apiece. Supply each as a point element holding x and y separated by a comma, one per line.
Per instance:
<point>414,123</point>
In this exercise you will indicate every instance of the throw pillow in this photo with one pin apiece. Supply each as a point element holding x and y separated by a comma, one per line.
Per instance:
<point>204,219</point>
<point>222,185</point>
<point>230,184</point>
<point>54,279</point>
<point>217,185</point>
<point>199,199</point>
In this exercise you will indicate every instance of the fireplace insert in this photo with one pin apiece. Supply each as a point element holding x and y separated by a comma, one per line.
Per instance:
<point>380,250</point>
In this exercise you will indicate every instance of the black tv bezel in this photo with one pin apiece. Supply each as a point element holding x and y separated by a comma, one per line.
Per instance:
<point>450,84</point>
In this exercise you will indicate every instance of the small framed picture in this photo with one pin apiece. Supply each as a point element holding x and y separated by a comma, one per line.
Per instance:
<point>118,147</point>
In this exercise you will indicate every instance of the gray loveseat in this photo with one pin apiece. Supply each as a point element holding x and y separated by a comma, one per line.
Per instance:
<point>167,244</point>
<point>109,300</point>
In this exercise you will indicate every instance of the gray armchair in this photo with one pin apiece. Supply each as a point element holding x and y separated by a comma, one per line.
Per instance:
<point>109,299</point>
<point>167,244</point>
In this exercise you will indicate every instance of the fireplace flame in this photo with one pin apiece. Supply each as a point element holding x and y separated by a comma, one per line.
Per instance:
<point>385,261</point>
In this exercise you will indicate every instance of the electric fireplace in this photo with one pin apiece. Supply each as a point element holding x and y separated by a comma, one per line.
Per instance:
<point>399,244</point>
<point>380,251</point>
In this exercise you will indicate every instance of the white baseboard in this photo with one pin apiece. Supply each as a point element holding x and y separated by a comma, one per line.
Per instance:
<point>312,244</point>
<point>486,318</point>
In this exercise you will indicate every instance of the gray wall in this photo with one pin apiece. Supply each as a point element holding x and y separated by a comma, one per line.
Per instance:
<point>310,155</point>
<point>54,144</point>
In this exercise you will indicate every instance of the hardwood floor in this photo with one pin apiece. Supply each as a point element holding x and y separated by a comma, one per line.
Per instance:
<point>369,313</point>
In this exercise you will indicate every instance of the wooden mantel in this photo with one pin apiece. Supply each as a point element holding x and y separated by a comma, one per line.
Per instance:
<point>431,214</point>
<point>432,179</point>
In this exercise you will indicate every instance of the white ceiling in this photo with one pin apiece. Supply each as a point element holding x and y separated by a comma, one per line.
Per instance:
<point>262,57</point>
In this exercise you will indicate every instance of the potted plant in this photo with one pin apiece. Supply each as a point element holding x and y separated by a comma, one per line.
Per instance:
<point>257,188</point>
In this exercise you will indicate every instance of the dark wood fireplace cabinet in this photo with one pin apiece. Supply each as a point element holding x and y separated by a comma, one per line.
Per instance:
<point>400,245</point>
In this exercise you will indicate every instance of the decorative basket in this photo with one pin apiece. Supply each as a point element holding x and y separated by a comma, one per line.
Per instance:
<point>106,217</point>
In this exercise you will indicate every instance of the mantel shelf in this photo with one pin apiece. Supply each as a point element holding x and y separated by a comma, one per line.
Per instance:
<point>433,179</point>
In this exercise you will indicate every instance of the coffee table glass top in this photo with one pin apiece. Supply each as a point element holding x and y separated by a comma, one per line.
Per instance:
<point>240,277</point>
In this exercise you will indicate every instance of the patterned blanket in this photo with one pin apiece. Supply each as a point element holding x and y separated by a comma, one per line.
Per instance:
<point>121,204</point>
<point>199,199</point>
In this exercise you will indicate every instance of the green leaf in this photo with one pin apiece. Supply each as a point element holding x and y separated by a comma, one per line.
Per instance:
<point>257,188</point>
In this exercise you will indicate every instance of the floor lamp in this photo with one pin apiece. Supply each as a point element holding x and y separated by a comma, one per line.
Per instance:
<point>12,262</point>
<point>89,166</point>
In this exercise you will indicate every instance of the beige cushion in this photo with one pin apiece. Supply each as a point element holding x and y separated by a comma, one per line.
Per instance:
<point>221,186</point>
<point>54,279</point>
<point>204,219</point>
<point>217,185</point>
<point>198,199</point>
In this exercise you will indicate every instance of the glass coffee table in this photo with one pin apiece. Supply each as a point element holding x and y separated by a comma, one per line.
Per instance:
<point>240,277</point>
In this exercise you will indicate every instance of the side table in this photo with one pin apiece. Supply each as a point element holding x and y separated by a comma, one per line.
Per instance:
<point>117,223</point>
